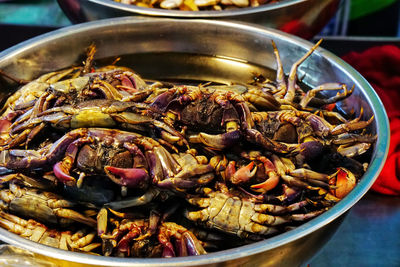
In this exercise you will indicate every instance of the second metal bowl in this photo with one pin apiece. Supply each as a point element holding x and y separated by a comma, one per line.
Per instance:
<point>304,18</point>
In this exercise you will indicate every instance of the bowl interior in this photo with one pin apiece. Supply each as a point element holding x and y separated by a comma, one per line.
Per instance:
<point>200,51</point>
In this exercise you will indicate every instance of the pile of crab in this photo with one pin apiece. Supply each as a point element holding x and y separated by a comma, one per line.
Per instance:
<point>99,160</point>
<point>197,5</point>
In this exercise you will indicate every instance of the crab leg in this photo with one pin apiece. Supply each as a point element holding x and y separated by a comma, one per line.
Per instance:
<point>325,87</point>
<point>38,232</point>
<point>289,96</point>
<point>325,101</point>
<point>351,126</point>
<point>254,136</point>
<point>348,138</point>
<point>31,113</point>
<point>296,182</point>
<point>184,183</point>
<point>280,74</point>
<point>309,174</point>
<point>21,227</point>
<point>306,216</point>
<point>353,150</point>
<point>144,199</point>
<point>276,209</point>
<point>75,216</point>
<point>253,228</point>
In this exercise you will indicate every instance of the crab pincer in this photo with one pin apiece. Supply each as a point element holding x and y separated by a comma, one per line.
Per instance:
<point>269,171</point>
<point>344,182</point>
<point>130,177</point>
<point>242,175</point>
<point>219,141</point>
<point>62,168</point>
<point>186,243</point>
<point>137,176</point>
<point>192,173</point>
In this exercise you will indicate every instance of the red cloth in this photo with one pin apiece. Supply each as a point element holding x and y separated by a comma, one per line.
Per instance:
<point>380,65</point>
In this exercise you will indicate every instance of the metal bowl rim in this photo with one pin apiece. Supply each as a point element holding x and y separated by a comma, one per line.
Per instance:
<point>379,156</point>
<point>195,14</point>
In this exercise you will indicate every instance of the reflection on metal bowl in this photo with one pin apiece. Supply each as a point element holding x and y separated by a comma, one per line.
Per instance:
<point>304,18</point>
<point>215,51</point>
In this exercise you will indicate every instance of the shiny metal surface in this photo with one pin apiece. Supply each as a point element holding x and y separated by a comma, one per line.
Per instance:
<point>304,18</point>
<point>232,49</point>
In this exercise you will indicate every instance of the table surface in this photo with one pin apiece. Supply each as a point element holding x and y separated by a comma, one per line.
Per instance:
<point>369,235</point>
<point>32,12</point>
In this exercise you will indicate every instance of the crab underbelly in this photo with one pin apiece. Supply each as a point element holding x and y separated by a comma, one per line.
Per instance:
<point>229,214</point>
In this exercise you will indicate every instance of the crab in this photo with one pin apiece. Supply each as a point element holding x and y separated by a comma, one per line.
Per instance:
<point>154,236</point>
<point>287,91</point>
<point>43,206</point>
<point>93,113</point>
<point>151,162</point>
<point>81,240</point>
<point>217,116</point>
<point>57,96</point>
<point>251,159</point>
<point>238,215</point>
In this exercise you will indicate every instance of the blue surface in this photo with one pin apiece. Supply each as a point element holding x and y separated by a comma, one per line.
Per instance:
<point>369,235</point>
<point>33,12</point>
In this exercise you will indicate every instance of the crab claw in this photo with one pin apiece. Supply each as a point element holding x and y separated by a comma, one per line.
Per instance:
<point>168,250</point>
<point>161,101</point>
<point>62,173</point>
<point>193,245</point>
<point>220,141</point>
<point>130,177</point>
<point>270,183</point>
<point>273,177</point>
<point>244,174</point>
<point>186,243</point>
<point>131,82</point>
<point>311,149</point>
<point>4,125</point>
<point>344,180</point>
<point>319,125</point>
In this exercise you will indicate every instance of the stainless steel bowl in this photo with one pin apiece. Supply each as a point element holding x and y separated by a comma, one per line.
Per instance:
<point>205,50</point>
<point>304,18</point>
